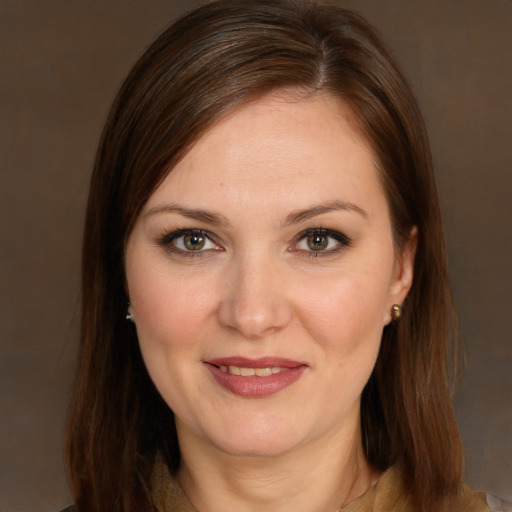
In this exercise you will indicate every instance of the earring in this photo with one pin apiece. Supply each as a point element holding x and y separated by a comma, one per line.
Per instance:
<point>396,312</point>
<point>129,315</point>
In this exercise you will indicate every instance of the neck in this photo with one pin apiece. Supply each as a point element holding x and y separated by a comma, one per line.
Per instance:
<point>319,477</point>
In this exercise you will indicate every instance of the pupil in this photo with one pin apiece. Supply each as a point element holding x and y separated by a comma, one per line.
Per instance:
<point>194,242</point>
<point>317,242</point>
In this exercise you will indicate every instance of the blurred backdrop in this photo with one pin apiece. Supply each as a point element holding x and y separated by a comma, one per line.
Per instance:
<point>61,62</point>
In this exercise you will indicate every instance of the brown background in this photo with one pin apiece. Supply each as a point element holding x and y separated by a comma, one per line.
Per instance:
<point>61,62</point>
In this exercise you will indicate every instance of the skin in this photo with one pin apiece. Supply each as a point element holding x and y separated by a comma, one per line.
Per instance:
<point>257,289</point>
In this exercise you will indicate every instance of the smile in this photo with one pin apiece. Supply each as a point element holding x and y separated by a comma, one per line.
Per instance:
<point>249,372</point>
<point>255,378</point>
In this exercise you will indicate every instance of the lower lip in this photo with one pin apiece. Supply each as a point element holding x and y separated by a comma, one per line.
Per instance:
<point>254,386</point>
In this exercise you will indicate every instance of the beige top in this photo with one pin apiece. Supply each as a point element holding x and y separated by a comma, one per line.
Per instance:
<point>386,495</point>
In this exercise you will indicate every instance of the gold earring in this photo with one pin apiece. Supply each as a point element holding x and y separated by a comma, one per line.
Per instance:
<point>396,312</point>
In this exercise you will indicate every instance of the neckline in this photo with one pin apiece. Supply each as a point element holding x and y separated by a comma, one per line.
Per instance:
<point>169,496</point>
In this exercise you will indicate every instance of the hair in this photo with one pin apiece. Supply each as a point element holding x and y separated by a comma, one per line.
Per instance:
<point>210,62</point>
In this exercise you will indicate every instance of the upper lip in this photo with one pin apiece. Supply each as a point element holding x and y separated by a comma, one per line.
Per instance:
<point>261,362</point>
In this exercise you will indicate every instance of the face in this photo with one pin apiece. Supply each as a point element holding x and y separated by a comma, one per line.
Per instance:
<point>261,273</point>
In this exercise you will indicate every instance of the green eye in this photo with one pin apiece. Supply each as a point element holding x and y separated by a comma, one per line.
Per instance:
<point>194,241</point>
<point>189,242</point>
<point>317,242</point>
<point>321,241</point>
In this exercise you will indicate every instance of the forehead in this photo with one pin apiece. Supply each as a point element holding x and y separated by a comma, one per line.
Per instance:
<point>305,146</point>
<point>284,123</point>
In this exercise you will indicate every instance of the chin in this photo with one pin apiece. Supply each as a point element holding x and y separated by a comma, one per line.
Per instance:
<point>259,439</point>
<point>257,448</point>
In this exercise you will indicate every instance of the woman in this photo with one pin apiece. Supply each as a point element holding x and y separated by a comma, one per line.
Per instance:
<point>267,322</point>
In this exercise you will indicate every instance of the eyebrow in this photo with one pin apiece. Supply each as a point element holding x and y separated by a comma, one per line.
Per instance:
<point>192,213</point>
<point>301,215</point>
<point>215,219</point>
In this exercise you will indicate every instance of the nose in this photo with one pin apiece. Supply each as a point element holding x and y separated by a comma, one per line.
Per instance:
<point>254,301</point>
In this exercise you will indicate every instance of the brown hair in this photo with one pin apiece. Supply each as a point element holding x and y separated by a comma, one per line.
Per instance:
<point>211,61</point>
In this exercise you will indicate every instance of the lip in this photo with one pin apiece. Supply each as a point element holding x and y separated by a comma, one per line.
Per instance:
<point>260,362</point>
<point>254,386</point>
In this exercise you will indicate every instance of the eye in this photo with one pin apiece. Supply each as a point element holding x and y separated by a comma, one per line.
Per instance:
<point>319,240</point>
<point>189,241</point>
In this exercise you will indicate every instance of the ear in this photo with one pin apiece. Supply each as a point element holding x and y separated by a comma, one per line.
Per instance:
<point>403,274</point>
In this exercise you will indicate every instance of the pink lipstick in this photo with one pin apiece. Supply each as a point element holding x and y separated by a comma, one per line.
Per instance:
<point>256,378</point>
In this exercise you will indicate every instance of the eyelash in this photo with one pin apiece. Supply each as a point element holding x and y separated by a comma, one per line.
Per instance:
<point>167,241</point>
<point>343,241</point>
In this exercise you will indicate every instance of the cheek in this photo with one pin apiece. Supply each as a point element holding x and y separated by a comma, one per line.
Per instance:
<point>170,319</point>
<point>345,313</point>
<point>345,319</point>
<point>168,311</point>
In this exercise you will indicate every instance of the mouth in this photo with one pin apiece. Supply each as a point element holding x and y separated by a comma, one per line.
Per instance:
<point>255,378</point>
<point>249,372</point>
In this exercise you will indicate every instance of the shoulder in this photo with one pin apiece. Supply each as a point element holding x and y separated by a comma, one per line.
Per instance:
<point>497,505</point>
<point>69,509</point>
<point>390,494</point>
<point>467,500</point>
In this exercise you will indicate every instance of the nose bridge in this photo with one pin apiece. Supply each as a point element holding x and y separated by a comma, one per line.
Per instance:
<point>254,302</point>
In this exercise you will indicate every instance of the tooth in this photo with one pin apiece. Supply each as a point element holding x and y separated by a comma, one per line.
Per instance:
<point>234,370</point>
<point>249,372</point>
<point>263,372</point>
